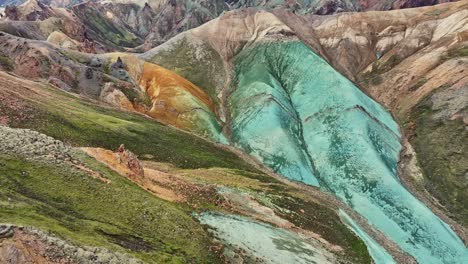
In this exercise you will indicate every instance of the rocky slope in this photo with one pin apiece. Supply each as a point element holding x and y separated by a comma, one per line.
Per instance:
<point>54,3</point>
<point>129,23</point>
<point>28,245</point>
<point>271,97</point>
<point>182,175</point>
<point>315,119</point>
<point>131,84</point>
<point>116,25</point>
<point>326,7</point>
<point>403,62</point>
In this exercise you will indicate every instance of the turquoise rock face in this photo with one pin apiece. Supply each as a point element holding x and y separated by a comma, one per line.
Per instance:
<point>377,252</point>
<point>265,242</point>
<point>265,123</point>
<point>303,119</point>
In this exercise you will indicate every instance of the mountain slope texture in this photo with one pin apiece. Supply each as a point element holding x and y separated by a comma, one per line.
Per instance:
<point>234,131</point>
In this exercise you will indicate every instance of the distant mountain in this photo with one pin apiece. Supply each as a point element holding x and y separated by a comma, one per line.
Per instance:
<point>54,3</point>
<point>11,2</point>
<point>303,6</point>
<point>325,7</point>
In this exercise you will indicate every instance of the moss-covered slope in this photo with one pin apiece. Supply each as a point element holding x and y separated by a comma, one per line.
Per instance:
<point>437,130</point>
<point>116,213</point>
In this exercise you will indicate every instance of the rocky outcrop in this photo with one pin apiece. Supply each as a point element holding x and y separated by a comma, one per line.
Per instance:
<point>119,72</point>
<point>121,160</point>
<point>42,60</point>
<point>129,159</point>
<point>28,245</point>
<point>112,95</point>
<point>6,231</point>
<point>166,96</point>
<point>33,145</point>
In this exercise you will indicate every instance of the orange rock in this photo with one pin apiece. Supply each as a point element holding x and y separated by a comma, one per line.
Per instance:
<point>130,160</point>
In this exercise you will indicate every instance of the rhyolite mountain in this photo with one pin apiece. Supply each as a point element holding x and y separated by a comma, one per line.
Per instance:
<point>319,7</point>
<point>326,7</point>
<point>234,132</point>
<point>156,21</point>
<point>55,3</point>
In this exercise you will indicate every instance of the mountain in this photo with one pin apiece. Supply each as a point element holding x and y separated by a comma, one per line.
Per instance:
<point>158,21</point>
<point>326,7</point>
<point>403,64</point>
<point>125,24</point>
<point>272,78</point>
<point>234,132</point>
<point>54,3</point>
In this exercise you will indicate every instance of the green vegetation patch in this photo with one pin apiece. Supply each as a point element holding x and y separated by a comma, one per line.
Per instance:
<point>122,216</point>
<point>198,63</point>
<point>107,31</point>
<point>456,53</point>
<point>418,84</point>
<point>290,204</point>
<point>442,154</point>
<point>378,68</point>
<point>81,123</point>
<point>388,64</point>
<point>76,56</point>
<point>436,12</point>
<point>118,215</point>
<point>6,63</point>
<point>325,222</point>
<point>136,96</point>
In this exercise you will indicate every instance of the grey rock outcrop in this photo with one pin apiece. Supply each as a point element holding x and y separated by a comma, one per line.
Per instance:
<point>32,145</point>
